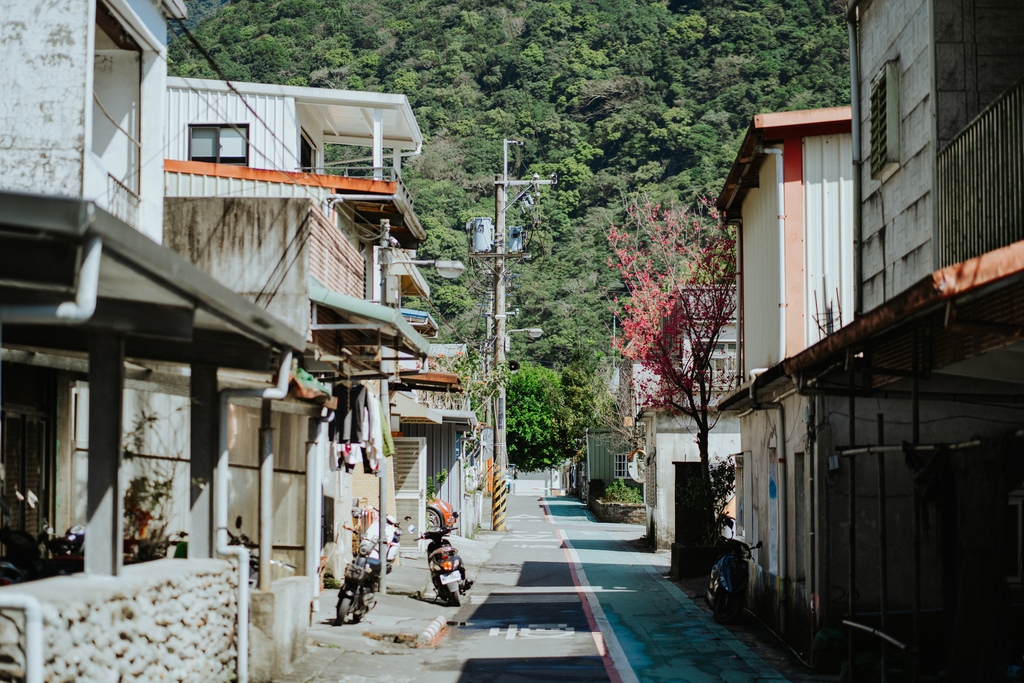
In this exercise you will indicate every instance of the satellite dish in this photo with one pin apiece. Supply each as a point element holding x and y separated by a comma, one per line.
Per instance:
<point>513,366</point>
<point>636,466</point>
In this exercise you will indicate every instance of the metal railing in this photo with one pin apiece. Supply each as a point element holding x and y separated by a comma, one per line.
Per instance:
<point>122,202</point>
<point>981,182</point>
<point>386,173</point>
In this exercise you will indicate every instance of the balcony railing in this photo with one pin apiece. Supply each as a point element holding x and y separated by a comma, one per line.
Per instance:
<point>122,202</point>
<point>386,173</point>
<point>981,182</point>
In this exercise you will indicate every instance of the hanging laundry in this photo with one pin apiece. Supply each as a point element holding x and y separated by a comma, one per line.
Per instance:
<point>353,455</point>
<point>336,428</point>
<point>334,458</point>
<point>356,424</point>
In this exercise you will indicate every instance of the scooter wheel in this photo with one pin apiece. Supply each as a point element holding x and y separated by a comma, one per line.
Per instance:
<point>728,608</point>
<point>454,599</point>
<point>344,607</point>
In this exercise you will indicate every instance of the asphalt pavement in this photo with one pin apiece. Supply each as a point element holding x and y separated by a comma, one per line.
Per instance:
<point>558,596</point>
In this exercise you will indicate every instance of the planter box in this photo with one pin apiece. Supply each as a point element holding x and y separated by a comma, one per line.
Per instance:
<point>691,561</point>
<point>619,513</point>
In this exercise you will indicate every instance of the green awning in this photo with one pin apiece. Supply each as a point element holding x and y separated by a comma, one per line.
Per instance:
<point>396,330</point>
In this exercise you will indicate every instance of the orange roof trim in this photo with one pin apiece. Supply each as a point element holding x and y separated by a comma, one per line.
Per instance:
<point>332,182</point>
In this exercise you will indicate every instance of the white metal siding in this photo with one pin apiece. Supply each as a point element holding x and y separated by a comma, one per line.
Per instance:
<point>828,233</point>
<point>192,185</point>
<point>273,127</point>
<point>761,273</point>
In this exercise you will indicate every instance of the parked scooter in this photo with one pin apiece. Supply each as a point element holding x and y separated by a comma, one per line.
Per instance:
<point>727,589</point>
<point>447,571</point>
<point>24,559</point>
<point>254,556</point>
<point>356,595</point>
<point>393,534</point>
<point>440,513</point>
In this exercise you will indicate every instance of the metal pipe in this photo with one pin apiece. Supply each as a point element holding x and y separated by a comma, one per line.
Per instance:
<point>33,610</point>
<point>915,430</point>
<point>266,500</point>
<point>852,540</point>
<point>858,261</point>
<point>382,473</point>
<point>220,505</point>
<point>874,631</point>
<point>780,199</point>
<point>312,519</point>
<point>883,561</point>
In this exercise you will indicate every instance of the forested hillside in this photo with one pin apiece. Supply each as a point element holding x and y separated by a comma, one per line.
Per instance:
<point>615,96</point>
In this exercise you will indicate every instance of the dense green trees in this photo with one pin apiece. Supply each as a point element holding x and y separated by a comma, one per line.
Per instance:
<point>549,412</point>
<point>615,96</point>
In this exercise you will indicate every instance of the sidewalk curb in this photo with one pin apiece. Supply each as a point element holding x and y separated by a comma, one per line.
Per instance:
<point>433,632</point>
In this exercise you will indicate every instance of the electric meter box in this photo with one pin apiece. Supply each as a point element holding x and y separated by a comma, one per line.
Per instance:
<point>514,245</point>
<point>481,235</point>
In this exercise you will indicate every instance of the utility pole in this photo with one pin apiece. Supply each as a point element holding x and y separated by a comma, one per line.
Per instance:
<point>499,499</point>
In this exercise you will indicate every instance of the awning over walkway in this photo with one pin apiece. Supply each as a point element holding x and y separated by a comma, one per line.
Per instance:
<point>993,284</point>
<point>368,325</point>
<point>411,411</point>
<point>166,308</point>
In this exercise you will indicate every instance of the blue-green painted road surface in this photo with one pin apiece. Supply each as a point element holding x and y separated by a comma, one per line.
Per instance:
<point>565,598</point>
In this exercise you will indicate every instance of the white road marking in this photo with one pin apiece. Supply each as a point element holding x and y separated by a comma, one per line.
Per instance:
<point>535,631</point>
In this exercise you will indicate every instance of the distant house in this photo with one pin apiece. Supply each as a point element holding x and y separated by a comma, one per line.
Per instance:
<point>790,197</point>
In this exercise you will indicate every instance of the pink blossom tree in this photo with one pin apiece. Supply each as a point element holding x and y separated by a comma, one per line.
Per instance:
<point>679,268</point>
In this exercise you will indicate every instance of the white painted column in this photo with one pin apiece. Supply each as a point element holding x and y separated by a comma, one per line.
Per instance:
<point>378,144</point>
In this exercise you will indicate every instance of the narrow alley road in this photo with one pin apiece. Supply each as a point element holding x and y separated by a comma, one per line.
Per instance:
<point>561,598</point>
<point>565,598</point>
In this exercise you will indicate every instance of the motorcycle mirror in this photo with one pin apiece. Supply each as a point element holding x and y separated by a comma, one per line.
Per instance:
<point>757,545</point>
<point>238,522</point>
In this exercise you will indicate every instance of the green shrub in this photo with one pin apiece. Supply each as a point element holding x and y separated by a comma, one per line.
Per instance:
<point>618,492</point>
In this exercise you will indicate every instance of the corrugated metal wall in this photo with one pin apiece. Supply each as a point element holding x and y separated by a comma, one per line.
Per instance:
<point>273,128</point>
<point>761,265</point>
<point>443,451</point>
<point>828,234</point>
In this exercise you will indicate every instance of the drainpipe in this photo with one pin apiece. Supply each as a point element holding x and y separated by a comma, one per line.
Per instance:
<point>220,500</point>
<point>858,262</point>
<point>333,200</point>
<point>67,312</point>
<point>33,610</point>
<point>781,201</point>
<point>313,503</point>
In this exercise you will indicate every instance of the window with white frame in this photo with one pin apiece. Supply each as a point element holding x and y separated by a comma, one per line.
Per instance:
<point>216,144</point>
<point>621,466</point>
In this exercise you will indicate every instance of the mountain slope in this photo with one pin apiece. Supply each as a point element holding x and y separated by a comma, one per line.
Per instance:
<point>614,96</point>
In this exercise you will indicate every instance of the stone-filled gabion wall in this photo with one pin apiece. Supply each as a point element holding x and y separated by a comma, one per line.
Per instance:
<point>169,620</point>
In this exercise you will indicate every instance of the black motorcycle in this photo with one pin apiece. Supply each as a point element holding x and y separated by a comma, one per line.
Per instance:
<point>727,589</point>
<point>356,595</point>
<point>447,571</point>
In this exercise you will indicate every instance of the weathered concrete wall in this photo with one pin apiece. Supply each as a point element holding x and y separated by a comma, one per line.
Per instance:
<point>278,622</point>
<point>897,210</point>
<point>618,513</point>
<point>259,248</point>
<point>165,620</point>
<point>675,441</point>
<point>43,130</point>
<point>978,55</point>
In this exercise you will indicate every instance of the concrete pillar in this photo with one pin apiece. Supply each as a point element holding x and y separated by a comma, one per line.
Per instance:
<point>105,505</point>
<point>204,415</point>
